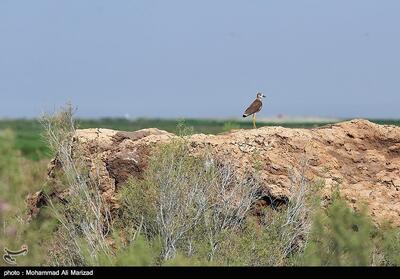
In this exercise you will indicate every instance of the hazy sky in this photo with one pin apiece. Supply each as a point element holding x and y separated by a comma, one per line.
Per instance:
<point>200,58</point>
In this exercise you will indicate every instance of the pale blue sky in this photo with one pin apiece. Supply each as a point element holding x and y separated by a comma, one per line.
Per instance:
<point>200,58</point>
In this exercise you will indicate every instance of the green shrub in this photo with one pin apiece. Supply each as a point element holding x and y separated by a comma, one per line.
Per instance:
<point>277,236</point>
<point>340,236</point>
<point>207,211</point>
<point>256,244</point>
<point>139,252</point>
<point>186,200</point>
<point>388,245</point>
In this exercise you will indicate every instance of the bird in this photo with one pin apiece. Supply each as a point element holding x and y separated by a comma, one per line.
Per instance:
<point>254,108</point>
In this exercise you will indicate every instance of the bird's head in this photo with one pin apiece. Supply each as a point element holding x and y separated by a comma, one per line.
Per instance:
<point>260,95</point>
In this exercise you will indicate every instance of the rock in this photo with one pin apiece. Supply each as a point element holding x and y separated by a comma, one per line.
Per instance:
<point>359,157</point>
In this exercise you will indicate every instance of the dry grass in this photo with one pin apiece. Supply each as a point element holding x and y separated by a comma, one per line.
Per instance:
<point>85,217</point>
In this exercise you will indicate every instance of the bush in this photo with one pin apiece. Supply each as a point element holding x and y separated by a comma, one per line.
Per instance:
<point>84,218</point>
<point>183,199</point>
<point>340,236</point>
<point>279,234</point>
<point>391,247</point>
<point>197,207</point>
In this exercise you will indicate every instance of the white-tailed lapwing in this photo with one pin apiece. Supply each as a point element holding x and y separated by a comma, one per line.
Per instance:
<point>254,108</point>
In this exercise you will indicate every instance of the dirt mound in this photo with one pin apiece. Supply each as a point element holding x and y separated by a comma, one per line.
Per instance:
<point>359,157</point>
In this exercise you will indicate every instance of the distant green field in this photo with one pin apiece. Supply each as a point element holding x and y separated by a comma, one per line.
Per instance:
<point>29,141</point>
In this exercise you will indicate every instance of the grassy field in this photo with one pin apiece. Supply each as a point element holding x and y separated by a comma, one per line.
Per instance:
<point>29,141</point>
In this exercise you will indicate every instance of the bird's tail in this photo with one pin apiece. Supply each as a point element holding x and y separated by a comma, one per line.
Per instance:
<point>245,115</point>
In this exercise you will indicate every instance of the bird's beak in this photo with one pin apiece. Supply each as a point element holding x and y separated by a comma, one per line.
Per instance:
<point>263,96</point>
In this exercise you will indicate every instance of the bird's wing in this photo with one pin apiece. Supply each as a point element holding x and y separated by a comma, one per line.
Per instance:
<point>253,108</point>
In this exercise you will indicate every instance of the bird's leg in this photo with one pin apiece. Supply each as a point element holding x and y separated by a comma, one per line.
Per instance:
<point>254,121</point>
